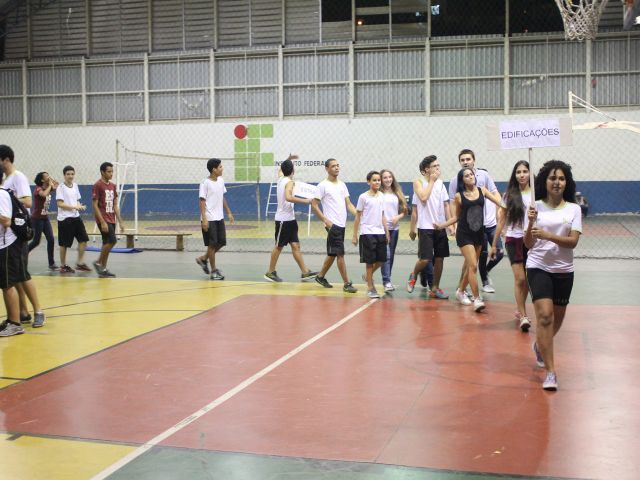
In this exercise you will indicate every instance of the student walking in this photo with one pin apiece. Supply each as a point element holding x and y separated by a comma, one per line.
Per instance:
<point>212,202</point>
<point>553,231</point>
<point>334,196</point>
<point>40,215</point>
<point>374,233</point>
<point>395,208</point>
<point>287,225</point>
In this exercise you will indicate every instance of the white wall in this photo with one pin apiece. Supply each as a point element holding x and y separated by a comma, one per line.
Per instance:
<point>362,144</point>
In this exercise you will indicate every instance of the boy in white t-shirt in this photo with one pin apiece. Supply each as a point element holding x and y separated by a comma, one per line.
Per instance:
<point>374,233</point>
<point>334,196</point>
<point>287,225</point>
<point>212,202</point>
<point>70,225</point>
<point>431,203</point>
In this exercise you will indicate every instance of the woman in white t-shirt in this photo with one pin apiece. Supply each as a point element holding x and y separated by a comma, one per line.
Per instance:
<point>517,200</point>
<point>555,224</point>
<point>395,207</point>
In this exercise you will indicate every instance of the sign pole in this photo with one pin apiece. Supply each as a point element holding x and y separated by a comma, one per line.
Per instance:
<point>531,183</point>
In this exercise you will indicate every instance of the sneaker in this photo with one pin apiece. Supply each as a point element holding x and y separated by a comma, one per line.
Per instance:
<point>271,276</point>
<point>203,265</point>
<point>66,269</point>
<point>97,267</point>
<point>488,288</point>
<point>462,297</point>
<point>478,304</point>
<point>550,382</point>
<point>39,320</point>
<point>82,267</point>
<point>539,359</point>
<point>525,324</point>
<point>411,283</point>
<point>25,318</point>
<point>389,287</point>
<point>217,275</point>
<point>104,273</point>
<point>439,294</point>
<point>306,277</point>
<point>373,293</point>
<point>349,288</point>
<point>54,267</point>
<point>10,329</point>
<point>469,295</point>
<point>323,281</point>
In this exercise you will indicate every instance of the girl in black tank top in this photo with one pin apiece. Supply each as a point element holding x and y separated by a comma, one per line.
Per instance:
<point>469,213</point>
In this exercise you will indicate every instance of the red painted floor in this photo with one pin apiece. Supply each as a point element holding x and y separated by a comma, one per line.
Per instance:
<point>407,382</point>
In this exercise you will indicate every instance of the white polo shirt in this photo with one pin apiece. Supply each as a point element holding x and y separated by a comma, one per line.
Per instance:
<point>7,237</point>
<point>19,183</point>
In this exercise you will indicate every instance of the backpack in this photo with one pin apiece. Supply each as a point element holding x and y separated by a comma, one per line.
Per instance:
<point>20,218</point>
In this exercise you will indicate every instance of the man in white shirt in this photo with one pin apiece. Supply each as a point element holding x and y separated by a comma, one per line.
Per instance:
<point>70,224</point>
<point>9,266</point>
<point>212,202</point>
<point>286,224</point>
<point>334,196</point>
<point>18,183</point>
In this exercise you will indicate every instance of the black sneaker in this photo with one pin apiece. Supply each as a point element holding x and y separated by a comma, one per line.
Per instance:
<point>104,273</point>
<point>96,266</point>
<point>66,269</point>
<point>307,277</point>
<point>53,267</point>
<point>203,265</point>
<point>323,281</point>
<point>25,318</point>
<point>349,288</point>
<point>272,276</point>
<point>216,275</point>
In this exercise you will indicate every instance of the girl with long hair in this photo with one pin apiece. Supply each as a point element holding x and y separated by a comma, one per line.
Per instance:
<point>469,213</point>
<point>516,200</point>
<point>395,208</point>
<point>553,231</point>
<point>40,215</point>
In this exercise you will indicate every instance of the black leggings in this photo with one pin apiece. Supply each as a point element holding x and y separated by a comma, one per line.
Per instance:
<point>41,226</point>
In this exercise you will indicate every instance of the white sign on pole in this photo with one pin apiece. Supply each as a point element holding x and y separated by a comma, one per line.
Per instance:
<point>304,190</point>
<point>534,133</point>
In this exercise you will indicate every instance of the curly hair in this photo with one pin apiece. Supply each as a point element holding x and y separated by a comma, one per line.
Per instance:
<point>569,194</point>
<point>513,197</point>
<point>39,178</point>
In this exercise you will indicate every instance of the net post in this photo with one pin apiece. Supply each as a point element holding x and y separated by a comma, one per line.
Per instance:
<point>571,105</point>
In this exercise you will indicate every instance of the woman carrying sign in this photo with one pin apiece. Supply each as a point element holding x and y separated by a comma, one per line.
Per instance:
<point>555,224</point>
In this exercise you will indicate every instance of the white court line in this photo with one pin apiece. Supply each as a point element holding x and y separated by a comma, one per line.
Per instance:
<point>224,397</point>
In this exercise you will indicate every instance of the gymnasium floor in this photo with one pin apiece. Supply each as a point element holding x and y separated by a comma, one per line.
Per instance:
<point>162,374</point>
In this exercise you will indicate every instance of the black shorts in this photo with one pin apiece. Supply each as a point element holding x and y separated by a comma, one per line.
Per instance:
<point>335,241</point>
<point>216,236</point>
<point>12,266</point>
<point>469,237</point>
<point>71,228</point>
<point>109,238</point>
<point>373,248</point>
<point>432,243</point>
<point>556,286</point>
<point>516,250</point>
<point>286,232</point>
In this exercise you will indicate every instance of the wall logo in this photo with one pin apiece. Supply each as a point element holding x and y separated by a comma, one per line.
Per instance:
<point>248,151</point>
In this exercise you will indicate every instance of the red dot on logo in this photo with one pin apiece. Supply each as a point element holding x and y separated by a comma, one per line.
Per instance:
<point>240,131</point>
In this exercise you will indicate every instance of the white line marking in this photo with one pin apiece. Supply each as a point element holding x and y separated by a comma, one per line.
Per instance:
<point>224,397</point>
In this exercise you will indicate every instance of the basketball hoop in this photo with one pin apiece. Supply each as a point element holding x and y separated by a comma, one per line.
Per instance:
<point>581,18</point>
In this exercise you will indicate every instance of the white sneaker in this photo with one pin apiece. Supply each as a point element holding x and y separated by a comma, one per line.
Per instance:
<point>478,304</point>
<point>389,287</point>
<point>525,324</point>
<point>373,293</point>
<point>462,297</point>
<point>488,288</point>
